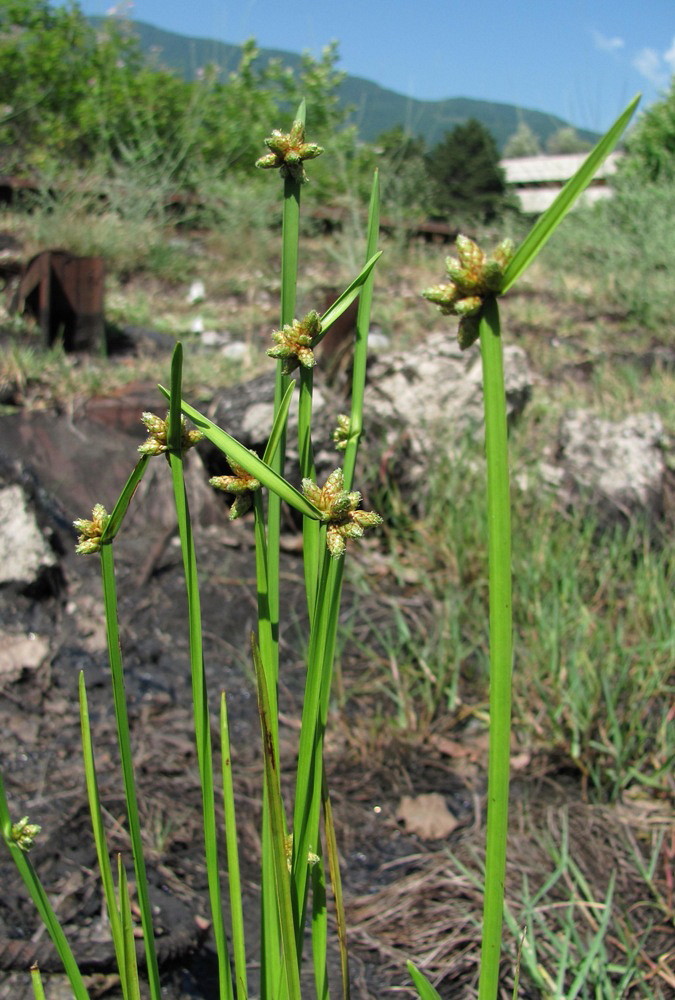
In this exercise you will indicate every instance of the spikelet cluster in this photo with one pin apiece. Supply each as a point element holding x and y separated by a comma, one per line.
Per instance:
<point>294,343</point>
<point>241,484</point>
<point>287,152</point>
<point>89,540</point>
<point>473,278</point>
<point>339,511</point>
<point>158,429</point>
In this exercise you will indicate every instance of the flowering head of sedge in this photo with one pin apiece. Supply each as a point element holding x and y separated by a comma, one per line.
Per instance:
<point>242,484</point>
<point>294,343</point>
<point>158,430</point>
<point>287,152</point>
<point>90,532</point>
<point>473,278</point>
<point>24,833</point>
<point>338,508</point>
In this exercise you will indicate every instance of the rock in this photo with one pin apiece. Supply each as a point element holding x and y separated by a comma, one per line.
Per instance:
<point>21,654</point>
<point>25,554</point>
<point>236,351</point>
<point>430,393</point>
<point>619,466</point>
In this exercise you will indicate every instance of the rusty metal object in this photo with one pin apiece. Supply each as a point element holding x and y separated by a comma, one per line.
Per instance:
<point>65,294</point>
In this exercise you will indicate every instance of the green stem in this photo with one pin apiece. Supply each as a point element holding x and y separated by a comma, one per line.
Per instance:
<point>124,740</point>
<point>270,930</point>
<point>499,547</point>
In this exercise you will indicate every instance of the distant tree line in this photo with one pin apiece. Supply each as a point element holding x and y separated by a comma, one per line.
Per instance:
<point>73,97</point>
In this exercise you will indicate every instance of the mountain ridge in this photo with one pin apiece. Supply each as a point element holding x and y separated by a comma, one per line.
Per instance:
<point>376,108</point>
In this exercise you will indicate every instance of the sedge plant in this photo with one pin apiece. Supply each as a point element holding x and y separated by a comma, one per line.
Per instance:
<point>476,281</point>
<point>299,851</point>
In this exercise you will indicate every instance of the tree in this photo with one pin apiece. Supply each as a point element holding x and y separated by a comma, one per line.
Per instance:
<point>523,142</point>
<point>566,140</point>
<point>650,148</point>
<point>468,182</point>
<point>405,183</point>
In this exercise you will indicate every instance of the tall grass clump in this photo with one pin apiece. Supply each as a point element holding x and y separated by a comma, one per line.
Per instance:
<point>626,247</point>
<point>299,853</point>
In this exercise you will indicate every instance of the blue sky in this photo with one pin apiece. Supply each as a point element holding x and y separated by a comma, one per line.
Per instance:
<point>580,59</point>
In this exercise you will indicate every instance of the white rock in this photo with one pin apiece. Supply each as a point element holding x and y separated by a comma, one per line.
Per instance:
<point>24,551</point>
<point>196,293</point>
<point>236,351</point>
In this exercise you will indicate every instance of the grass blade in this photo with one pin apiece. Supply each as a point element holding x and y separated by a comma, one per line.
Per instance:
<point>199,691</point>
<point>425,990</point>
<point>100,838</point>
<point>122,505</point>
<point>124,742</point>
<point>279,425</point>
<point>36,982</point>
<point>345,300</point>
<point>236,907</point>
<point>549,221</point>
<point>39,897</point>
<point>361,344</point>
<point>253,465</point>
<point>278,833</point>
<point>336,881</point>
<point>130,965</point>
<point>319,929</point>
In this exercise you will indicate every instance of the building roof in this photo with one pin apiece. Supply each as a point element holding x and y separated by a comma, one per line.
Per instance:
<point>551,169</point>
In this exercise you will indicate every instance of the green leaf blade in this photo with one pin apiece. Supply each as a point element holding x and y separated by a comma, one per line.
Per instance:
<point>549,221</point>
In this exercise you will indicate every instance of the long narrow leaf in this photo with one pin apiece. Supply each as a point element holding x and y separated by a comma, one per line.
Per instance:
<point>345,300</point>
<point>361,345</point>
<point>100,841</point>
<point>279,424</point>
<point>336,882</point>
<point>425,990</point>
<point>277,838</point>
<point>124,742</point>
<point>253,465</point>
<point>319,929</point>
<point>549,221</point>
<point>39,897</point>
<point>199,691</point>
<point>234,878</point>
<point>130,965</point>
<point>122,505</point>
<point>36,982</point>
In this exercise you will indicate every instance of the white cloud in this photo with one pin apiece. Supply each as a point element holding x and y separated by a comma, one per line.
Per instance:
<point>648,63</point>
<point>606,44</point>
<point>669,56</point>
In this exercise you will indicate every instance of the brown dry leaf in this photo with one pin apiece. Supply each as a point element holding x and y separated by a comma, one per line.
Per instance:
<point>426,815</point>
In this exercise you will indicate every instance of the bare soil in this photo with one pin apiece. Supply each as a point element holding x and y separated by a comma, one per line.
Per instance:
<point>406,896</point>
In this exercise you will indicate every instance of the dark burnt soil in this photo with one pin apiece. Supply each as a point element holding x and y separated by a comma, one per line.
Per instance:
<point>71,467</point>
<point>402,898</point>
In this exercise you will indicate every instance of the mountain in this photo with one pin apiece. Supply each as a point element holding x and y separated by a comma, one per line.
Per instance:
<point>376,109</point>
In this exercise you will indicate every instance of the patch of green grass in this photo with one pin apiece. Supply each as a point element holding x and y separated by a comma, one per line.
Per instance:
<point>625,246</point>
<point>594,629</point>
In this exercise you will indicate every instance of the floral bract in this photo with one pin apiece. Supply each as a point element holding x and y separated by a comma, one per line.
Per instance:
<point>242,484</point>
<point>288,150</point>
<point>338,508</point>
<point>91,531</point>
<point>474,277</point>
<point>294,343</point>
